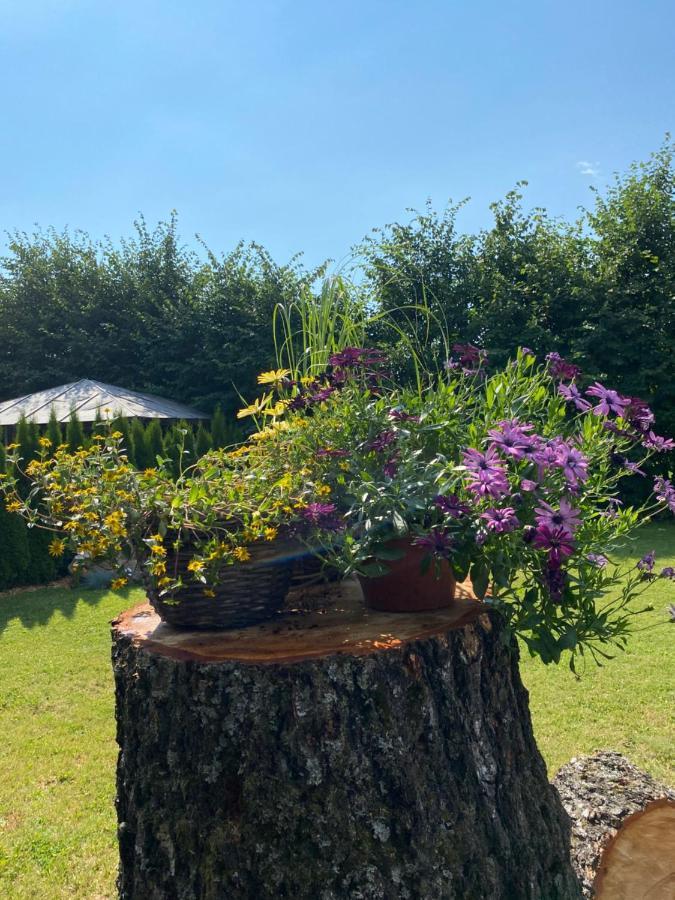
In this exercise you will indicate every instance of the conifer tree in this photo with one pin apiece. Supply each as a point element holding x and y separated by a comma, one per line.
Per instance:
<point>75,437</point>
<point>154,443</point>
<point>219,428</point>
<point>140,456</point>
<point>203,441</point>
<point>122,425</point>
<point>25,438</point>
<point>54,432</point>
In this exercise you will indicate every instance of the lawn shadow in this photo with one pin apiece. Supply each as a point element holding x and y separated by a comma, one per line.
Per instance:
<point>36,606</point>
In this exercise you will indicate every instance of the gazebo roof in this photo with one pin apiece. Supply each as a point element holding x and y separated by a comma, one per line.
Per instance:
<point>87,398</point>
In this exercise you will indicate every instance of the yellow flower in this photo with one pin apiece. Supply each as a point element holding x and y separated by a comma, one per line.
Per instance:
<point>277,410</point>
<point>44,442</point>
<point>209,593</point>
<point>13,446</point>
<point>344,465</point>
<point>115,521</point>
<point>195,565</point>
<point>150,471</point>
<point>255,408</point>
<point>323,490</point>
<point>13,506</point>
<point>98,437</point>
<point>241,554</point>
<point>116,435</point>
<point>275,376</point>
<point>118,583</point>
<point>270,533</point>
<point>57,547</point>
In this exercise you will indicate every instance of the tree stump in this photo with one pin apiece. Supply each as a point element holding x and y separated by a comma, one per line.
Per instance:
<point>623,828</point>
<point>340,753</point>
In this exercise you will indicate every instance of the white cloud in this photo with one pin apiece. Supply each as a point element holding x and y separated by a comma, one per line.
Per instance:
<point>588,168</point>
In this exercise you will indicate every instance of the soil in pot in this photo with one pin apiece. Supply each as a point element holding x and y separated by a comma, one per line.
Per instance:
<point>406,587</point>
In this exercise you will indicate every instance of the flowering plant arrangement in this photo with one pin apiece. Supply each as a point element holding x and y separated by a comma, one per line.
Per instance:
<point>102,509</point>
<point>511,477</point>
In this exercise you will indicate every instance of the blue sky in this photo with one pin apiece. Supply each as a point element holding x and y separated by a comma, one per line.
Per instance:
<point>303,125</point>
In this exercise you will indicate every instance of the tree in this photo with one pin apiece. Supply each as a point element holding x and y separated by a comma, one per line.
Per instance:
<point>25,438</point>
<point>203,441</point>
<point>628,337</point>
<point>75,437</point>
<point>140,456</point>
<point>54,432</point>
<point>219,431</point>
<point>154,442</point>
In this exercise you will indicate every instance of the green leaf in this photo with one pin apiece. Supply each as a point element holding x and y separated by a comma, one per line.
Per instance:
<point>480,578</point>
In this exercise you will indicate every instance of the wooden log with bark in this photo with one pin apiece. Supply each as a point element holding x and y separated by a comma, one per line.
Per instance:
<point>623,828</point>
<point>339,753</point>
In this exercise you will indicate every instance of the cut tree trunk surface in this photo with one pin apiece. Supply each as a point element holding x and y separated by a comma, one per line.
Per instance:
<point>341,753</point>
<point>623,832</point>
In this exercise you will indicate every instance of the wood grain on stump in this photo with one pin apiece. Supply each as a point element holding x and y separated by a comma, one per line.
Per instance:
<point>341,753</point>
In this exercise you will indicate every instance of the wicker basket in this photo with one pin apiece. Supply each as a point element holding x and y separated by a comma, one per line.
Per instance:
<point>246,593</point>
<point>310,569</point>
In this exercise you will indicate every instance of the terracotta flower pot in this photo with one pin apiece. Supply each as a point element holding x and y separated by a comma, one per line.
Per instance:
<point>406,588</point>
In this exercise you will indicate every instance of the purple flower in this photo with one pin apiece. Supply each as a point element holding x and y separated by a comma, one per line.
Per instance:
<point>633,468</point>
<point>382,441</point>
<point>638,414</point>
<point>390,468</point>
<point>529,532</point>
<point>501,520</point>
<point>565,517</point>
<point>298,402</point>
<point>526,351</point>
<point>487,472</point>
<point>321,515</point>
<point>481,537</point>
<point>469,359</point>
<point>560,368</point>
<point>597,559</point>
<point>321,395</point>
<point>451,505</point>
<point>646,564</point>
<point>469,354</point>
<point>611,511</point>
<point>555,580</point>
<point>570,393</point>
<point>528,485</point>
<point>557,541</point>
<point>355,356</point>
<point>665,492</point>
<point>610,401</point>
<point>397,415</point>
<point>573,463</point>
<point>656,442</point>
<point>437,542</point>
<point>668,572</point>
<point>512,438</point>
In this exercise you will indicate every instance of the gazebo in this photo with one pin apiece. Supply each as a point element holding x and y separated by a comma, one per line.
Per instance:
<point>89,400</point>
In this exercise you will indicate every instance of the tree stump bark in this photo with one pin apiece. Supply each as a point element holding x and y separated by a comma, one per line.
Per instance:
<point>341,753</point>
<point>623,828</point>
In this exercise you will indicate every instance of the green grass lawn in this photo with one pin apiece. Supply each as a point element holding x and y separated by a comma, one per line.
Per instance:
<point>57,821</point>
